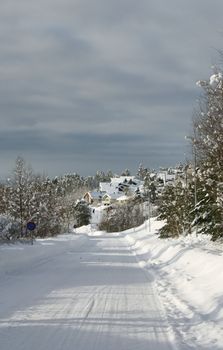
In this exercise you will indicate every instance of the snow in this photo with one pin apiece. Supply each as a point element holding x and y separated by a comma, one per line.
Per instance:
<point>107,187</point>
<point>92,290</point>
<point>215,80</point>
<point>79,292</point>
<point>97,214</point>
<point>189,279</point>
<point>122,198</point>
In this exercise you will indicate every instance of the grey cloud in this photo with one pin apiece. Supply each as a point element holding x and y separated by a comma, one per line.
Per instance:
<point>71,150</point>
<point>110,79</point>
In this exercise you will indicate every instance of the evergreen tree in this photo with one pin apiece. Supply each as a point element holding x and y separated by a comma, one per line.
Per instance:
<point>126,172</point>
<point>19,193</point>
<point>142,172</point>
<point>208,211</point>
<point>175,208</point>
<point>3,198</point>
<point>82,213</point>
<point>150,188</point>
<point>208,149</point>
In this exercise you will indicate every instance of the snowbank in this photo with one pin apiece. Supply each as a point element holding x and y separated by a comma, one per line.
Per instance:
<point>189,279</point>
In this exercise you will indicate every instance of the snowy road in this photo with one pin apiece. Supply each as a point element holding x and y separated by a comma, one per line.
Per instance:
<point>81,294</point>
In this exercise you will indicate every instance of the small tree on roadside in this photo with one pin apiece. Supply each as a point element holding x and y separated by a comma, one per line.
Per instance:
<point>82,213</point>
<point>175,208</point>
<point>9,227</point>
<point>19,193</point>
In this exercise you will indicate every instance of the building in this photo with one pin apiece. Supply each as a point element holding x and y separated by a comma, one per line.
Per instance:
<point>93,197</point>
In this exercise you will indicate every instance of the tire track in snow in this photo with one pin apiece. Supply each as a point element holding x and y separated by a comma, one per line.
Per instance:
<point>103,301</point>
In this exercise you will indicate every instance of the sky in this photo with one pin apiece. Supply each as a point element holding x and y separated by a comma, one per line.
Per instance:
<point>89,85</point>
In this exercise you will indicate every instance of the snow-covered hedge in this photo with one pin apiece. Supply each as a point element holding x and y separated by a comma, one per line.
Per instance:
<point>9,227</point>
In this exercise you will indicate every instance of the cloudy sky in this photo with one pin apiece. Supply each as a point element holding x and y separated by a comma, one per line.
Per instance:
<point>102,84</point>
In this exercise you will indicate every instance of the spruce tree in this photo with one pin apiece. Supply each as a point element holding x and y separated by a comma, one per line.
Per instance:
<point>208,145</point>
<point>175,208</point>
<point>82,213</point>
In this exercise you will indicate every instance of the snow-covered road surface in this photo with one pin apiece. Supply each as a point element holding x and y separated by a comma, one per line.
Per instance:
<point>84,293</point>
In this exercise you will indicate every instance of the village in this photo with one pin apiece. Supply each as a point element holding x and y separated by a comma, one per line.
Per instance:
<point>143,190</point>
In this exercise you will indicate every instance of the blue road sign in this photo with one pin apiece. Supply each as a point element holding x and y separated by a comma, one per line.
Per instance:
<point>31,226</point>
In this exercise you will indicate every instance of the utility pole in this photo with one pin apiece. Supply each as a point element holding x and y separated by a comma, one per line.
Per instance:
<point>194,141</point>
<point>149,211</point>
<point>148,193</point>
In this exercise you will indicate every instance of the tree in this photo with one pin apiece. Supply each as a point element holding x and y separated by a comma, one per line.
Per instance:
<point>126,172</point>
<point>4,198</point>
<point>142,172</point>
<point>9,227</point>
<point>208,211</point>
<point>47,214</point>
<point>19,193</point>
<point>208,126</point>
<point>176,209</point>
<point>50,203</point>
<point>208,148</point>
<point>67,207</point>
<point>123,217</point>
<point>82,213</point>
<point>150,188</point>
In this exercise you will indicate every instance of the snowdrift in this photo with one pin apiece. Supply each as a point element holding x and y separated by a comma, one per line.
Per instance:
<point>189,280</point>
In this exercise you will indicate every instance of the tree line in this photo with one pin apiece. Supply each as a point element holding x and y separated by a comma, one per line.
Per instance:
<point>197,203</point>
<point>54,205</point>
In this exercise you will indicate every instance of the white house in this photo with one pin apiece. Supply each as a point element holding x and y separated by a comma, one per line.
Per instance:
<point>93,197</point>
<point>108,199</point>
<point>121,184</point>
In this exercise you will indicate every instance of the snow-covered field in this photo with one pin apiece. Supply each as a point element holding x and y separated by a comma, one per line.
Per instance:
<point>126,291</point>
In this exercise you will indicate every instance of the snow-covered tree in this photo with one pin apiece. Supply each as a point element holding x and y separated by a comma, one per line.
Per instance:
<point>208,218</point>
<point>3,198</point>
<point>19,193</point>
<point>126,172</point>
<point>47,215</point>
<point>123,217</point>
<point>9,227</point>
<point>175,208</point>
<point>208,149</point>
<point>142,172</point>
<point>82,213</point>
<point>150,188</point>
